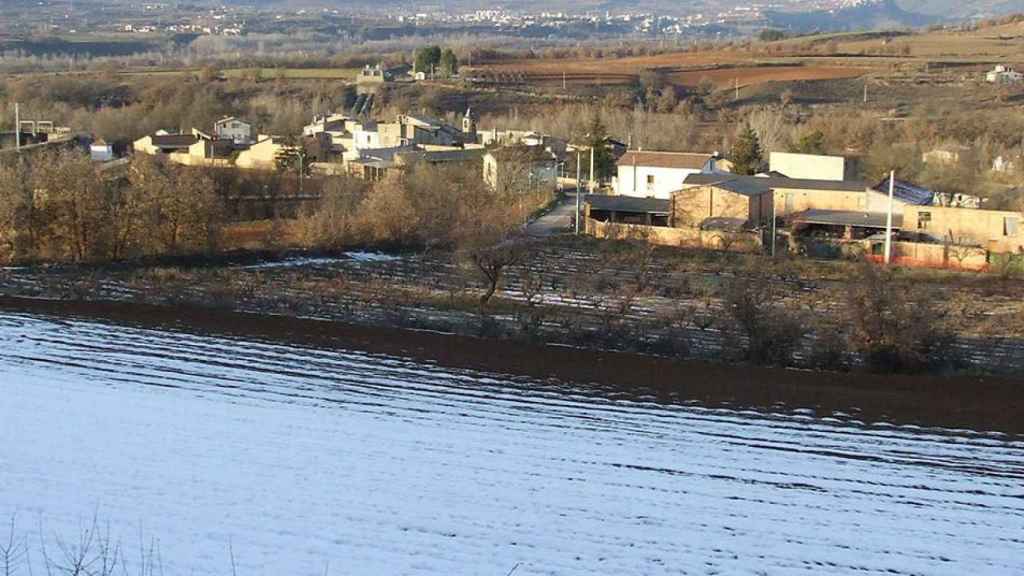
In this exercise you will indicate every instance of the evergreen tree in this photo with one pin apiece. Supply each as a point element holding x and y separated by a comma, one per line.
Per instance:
<point>449,63</point>
<point>596,138</point>
<point>811,143</point>
<point>746,153</point>
<point>428,59</point>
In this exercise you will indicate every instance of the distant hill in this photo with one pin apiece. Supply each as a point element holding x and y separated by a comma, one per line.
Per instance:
<point>961,9</point>
<point>863,15</point>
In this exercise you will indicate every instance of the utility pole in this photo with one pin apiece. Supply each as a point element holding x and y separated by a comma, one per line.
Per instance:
<point>17,127</point>
<point>865,90</point>
<point>591,169</point>
<point>579,190</point>
<point>737,97</point>
<point>888,218</point>
<point>563,80</point>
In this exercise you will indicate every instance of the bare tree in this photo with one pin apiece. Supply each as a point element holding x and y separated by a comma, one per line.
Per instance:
<point>755,300</point>
<point>491,263</point>
<point>79,199</point>
<point>771,127</point>
<point>894,325</point>
<point>13,550</point>
<point>17,235</point>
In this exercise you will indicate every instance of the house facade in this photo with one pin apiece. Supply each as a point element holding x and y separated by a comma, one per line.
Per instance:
<point>1004,75</point>
<point>233,129</point>
<point>994,230</point>
<point>808,166</point>
<point>788,196</point>
<point>100,151</point>
<point>658,174</point>
<point>264,154</point>
<point>947,154</point>
<point>164,143</point>
<point>732,203</point>
<point>520,168</point>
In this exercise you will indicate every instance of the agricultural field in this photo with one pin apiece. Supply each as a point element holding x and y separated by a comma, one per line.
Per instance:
<point>808,58</point>
<point>988,45</point>
<point>347,74</point>
<point>683,69</point>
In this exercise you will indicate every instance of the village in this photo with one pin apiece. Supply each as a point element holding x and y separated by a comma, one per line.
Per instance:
<point>554,287</point>
<point>812,205</point>
<point>779,202</point>
<point>771,234</point>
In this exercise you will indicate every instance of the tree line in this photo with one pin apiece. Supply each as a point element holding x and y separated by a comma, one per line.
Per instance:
<point>61,207</point>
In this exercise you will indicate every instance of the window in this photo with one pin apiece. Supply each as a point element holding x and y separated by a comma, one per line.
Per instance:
<point>650,180</point>
<point>1010,225</point>
<point>923,219</point>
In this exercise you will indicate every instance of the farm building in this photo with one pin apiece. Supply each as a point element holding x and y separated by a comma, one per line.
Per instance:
<point>809,166</point>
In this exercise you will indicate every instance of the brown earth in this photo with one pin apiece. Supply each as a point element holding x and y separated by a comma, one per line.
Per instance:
<point>682,69</point>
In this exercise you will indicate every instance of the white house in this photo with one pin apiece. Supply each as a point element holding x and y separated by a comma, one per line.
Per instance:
<point>1004,75</point>
<point>658,174</point>
<point>234,129</point>
<point>1004,164</point>
<point>100,151</point>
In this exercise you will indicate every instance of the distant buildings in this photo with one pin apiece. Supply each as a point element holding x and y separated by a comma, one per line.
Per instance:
<point>946,154</point>
<point>100,151</point>
<point>1004,75</point>
<point>372,77</point>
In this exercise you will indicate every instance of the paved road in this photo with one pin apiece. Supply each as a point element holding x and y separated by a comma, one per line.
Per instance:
<point>557,221</point>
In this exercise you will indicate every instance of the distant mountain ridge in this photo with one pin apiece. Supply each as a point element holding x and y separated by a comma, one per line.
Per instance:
<point>856,15</point>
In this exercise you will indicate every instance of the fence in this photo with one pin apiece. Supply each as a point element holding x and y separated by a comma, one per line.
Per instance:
<point>741,241</point>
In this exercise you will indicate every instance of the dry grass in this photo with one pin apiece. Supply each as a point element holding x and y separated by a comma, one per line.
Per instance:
<point>247,235</point>
<point>265,73</point>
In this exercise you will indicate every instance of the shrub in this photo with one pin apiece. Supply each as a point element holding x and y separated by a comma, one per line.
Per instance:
<point>896,326</point>
<point>755,302</point>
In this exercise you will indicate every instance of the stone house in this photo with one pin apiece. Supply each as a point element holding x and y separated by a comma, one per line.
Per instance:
<point>993,230</point>
<point>736,202</point>
<point>765,196</point>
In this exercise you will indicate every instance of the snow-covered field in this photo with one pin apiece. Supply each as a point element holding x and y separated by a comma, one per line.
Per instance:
<point>303,460</point>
